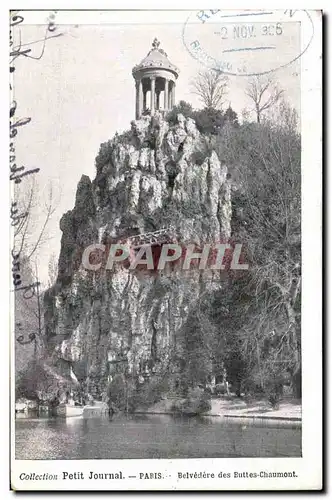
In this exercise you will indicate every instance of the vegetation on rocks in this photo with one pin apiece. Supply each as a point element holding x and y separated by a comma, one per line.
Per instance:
<point>209,121</point>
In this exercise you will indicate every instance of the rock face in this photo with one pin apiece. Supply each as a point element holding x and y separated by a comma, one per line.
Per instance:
<point>154,176</point>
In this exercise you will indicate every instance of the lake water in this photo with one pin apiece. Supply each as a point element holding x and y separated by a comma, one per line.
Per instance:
<point>153,436</point>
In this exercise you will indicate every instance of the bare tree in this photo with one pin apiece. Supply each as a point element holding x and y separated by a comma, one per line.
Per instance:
<point>264,93</point>
<point>245,114</point>
<point>284,116</point>
<point>265,163</point>
<point>30,217</point>
<point>30,226</point>
<point>211,87</point>
<point>273,236</point>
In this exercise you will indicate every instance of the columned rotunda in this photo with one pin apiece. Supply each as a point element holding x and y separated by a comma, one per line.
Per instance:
<point>155,79</point>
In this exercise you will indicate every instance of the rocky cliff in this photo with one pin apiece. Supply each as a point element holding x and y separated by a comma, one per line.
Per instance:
<point>154,176</point>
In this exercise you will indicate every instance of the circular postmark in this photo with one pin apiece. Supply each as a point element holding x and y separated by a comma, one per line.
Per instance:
<point>248,42</point>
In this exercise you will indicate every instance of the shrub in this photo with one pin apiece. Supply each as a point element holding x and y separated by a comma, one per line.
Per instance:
<point>36,383</point>
<point>209,121</point>
<point>149,393</point>
<point>124,393</point>
<point>183,108</point>
<point>125,137</point>
<point>104,155</point>
<point>231,117</point>
<point>196,403</point>
<point>199,156</point>
<point>117,391</point>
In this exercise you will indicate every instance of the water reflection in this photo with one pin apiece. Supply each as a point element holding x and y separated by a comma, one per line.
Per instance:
<point>153,436</point>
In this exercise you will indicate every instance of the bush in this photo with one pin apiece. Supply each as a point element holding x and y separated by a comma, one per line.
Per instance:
<point>196,403</point>
<point>117,391</point>
<point>125,137</point>
<point>220,389</point>
<point>183,108</point>
<point>36,384</point>
<point>122,392</point>
<point>209,121</point>
<point>149,393</point>
<point>104,155</point>
<point>199,156</point>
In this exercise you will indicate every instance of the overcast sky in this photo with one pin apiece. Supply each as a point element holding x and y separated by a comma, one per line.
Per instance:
<point>82,91</point>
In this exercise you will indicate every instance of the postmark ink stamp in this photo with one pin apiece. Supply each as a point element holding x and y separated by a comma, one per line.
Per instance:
<point>246,43</point>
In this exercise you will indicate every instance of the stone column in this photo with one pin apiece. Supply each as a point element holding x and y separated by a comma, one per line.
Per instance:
<point>137,99</point>
<point>153,94</point>
<point>166,95</point>
<point>140,98</point>
<point>170,95</point>
<point>158,99</point>
<point>173,94</point>
<point>144,100</point>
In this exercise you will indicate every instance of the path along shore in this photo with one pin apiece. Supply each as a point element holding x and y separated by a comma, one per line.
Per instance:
<point>288,409</point>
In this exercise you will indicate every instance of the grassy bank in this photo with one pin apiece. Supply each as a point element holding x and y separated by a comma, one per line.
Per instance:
<point>288,409</point>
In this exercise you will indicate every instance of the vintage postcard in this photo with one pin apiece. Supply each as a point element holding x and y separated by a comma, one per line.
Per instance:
<point>165,173</point>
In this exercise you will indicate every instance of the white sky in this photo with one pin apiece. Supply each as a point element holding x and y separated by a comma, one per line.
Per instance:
<point>82,91</point>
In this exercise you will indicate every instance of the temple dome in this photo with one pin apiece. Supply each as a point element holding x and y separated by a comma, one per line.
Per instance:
<point>156,59</point>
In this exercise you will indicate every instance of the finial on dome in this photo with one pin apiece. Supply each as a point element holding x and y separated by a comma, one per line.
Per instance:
<point>155,43</point>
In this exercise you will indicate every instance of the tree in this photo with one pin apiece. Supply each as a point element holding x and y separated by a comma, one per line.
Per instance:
<point>35,383</point>
<point>28,318</point>
<point>262,329</point>
<point>211,88</point>
<point>230,116</point>
<point>271,201</point>
<point>40,381</point>
<point>264,93</point>
<point>30,223</point>
<point>209,121</point>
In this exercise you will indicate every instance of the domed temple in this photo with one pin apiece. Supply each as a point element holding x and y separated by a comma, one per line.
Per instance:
<point>155,78</point>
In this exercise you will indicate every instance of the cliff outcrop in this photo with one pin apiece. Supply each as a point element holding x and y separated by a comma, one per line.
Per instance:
<point>154,176</point>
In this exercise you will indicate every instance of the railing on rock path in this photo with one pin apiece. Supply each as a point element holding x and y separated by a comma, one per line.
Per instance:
<point>165,235</point>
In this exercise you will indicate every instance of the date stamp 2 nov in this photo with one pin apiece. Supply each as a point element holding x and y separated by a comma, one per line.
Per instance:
<point>246,43</point>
